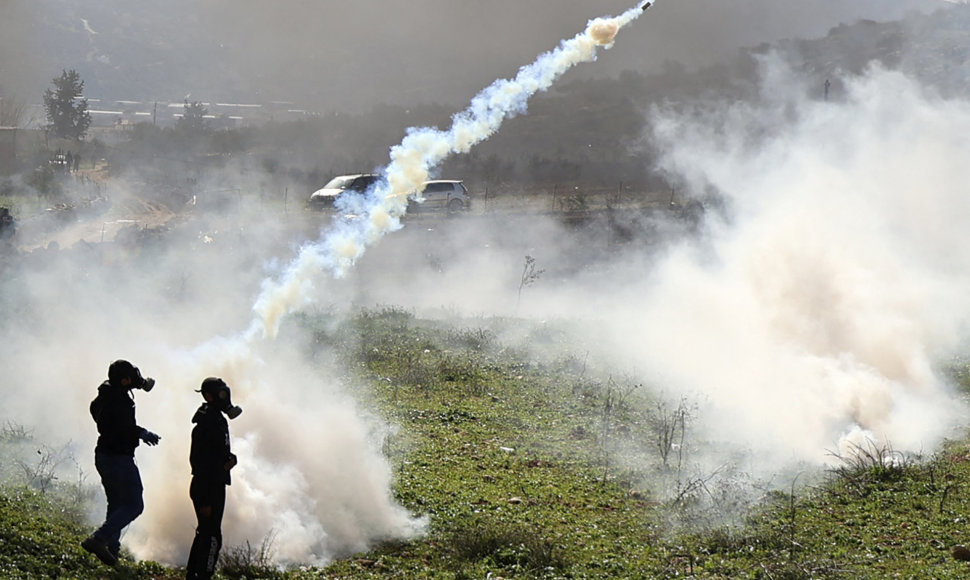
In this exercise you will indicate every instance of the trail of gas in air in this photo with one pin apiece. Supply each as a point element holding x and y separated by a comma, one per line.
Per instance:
<point>420,152</point>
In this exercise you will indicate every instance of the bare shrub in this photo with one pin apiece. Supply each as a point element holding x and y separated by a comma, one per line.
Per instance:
<point>251,562</point>
<point>614,408</point>
<point>506,545</point>
<point>415,368</point>
<point>14,433</point>
<point>42,473</point>
<point>863,467</point>
<point>54,472</point>
<point>477,339</point>
<point>670,430</point>
<point>529,276</point>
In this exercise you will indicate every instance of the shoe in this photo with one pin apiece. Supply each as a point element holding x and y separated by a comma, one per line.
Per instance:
<point>99,548</point>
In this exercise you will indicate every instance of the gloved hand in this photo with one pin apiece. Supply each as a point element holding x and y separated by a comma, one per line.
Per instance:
<point>149,437</point>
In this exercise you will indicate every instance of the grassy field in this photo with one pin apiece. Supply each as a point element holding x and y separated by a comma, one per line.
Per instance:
<point>529,465</point>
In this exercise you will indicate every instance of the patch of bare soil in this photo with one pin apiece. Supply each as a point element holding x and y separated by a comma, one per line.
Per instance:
<point>89,214</point>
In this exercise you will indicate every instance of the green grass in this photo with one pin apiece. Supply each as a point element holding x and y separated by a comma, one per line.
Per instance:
<point>39,539</point>
<point>513,458</point>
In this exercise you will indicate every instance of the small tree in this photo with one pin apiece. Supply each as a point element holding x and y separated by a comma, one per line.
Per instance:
<point>529,275</point>
<point>193,119</point>
<point>67,109</point>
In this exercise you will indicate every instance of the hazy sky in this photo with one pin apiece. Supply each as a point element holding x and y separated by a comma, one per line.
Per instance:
<point>348,53</point>
<point>427,49</point>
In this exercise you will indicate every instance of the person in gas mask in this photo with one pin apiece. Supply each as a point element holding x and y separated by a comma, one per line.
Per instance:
<point>113,411</point>
<point>211,460</point>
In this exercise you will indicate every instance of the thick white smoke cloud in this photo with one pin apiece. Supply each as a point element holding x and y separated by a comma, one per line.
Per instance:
<point>311,472</point>
<point>819,314</point>
<point>822,311</point>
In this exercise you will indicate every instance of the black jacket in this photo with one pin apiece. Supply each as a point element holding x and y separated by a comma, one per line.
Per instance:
<point>114,412</point>
<point>210,446</point>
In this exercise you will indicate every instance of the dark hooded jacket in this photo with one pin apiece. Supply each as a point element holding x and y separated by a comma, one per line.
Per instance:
<point>210,446</point>
<point>114,412</point>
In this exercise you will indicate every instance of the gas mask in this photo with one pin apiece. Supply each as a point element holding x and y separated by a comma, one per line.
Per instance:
<point>221,396</point>
<point>144,383</point>
<point>120,370</point>
<point>225,404</point>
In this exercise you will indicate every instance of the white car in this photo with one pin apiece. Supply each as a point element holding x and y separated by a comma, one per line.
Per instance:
<point>450,195</point>
<point>325,197</point>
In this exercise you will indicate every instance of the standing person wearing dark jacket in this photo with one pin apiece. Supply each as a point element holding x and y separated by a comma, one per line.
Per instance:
<point>114,456</point>
<point>211,461</point>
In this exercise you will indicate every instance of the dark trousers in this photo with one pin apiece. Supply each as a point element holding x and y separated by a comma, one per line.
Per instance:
<point>123,490</point>
<point>209,500</point>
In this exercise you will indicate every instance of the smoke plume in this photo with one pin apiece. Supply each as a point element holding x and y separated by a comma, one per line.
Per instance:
<point>821,310</point>
<point>312,476</point>
<point>818,307</point>
<point>412,162</point>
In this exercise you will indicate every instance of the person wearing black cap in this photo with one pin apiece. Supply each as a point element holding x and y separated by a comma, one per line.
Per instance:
<point>114,456</point>
<point>211,460</point>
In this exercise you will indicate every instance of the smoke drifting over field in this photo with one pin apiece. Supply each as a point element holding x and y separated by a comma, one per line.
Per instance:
<point>817,312</point>
<point>311,475</point>
<point>821,313</point>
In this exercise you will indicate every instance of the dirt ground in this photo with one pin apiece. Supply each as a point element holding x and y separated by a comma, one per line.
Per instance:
<point>90,211</point>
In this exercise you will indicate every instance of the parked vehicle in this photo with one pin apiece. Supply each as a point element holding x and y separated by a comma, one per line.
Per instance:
<point>449,195</point>
<point>325,197</point>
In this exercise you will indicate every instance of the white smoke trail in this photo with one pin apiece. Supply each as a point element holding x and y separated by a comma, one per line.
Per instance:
<point>336,498</point>
<point>412,161</point>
